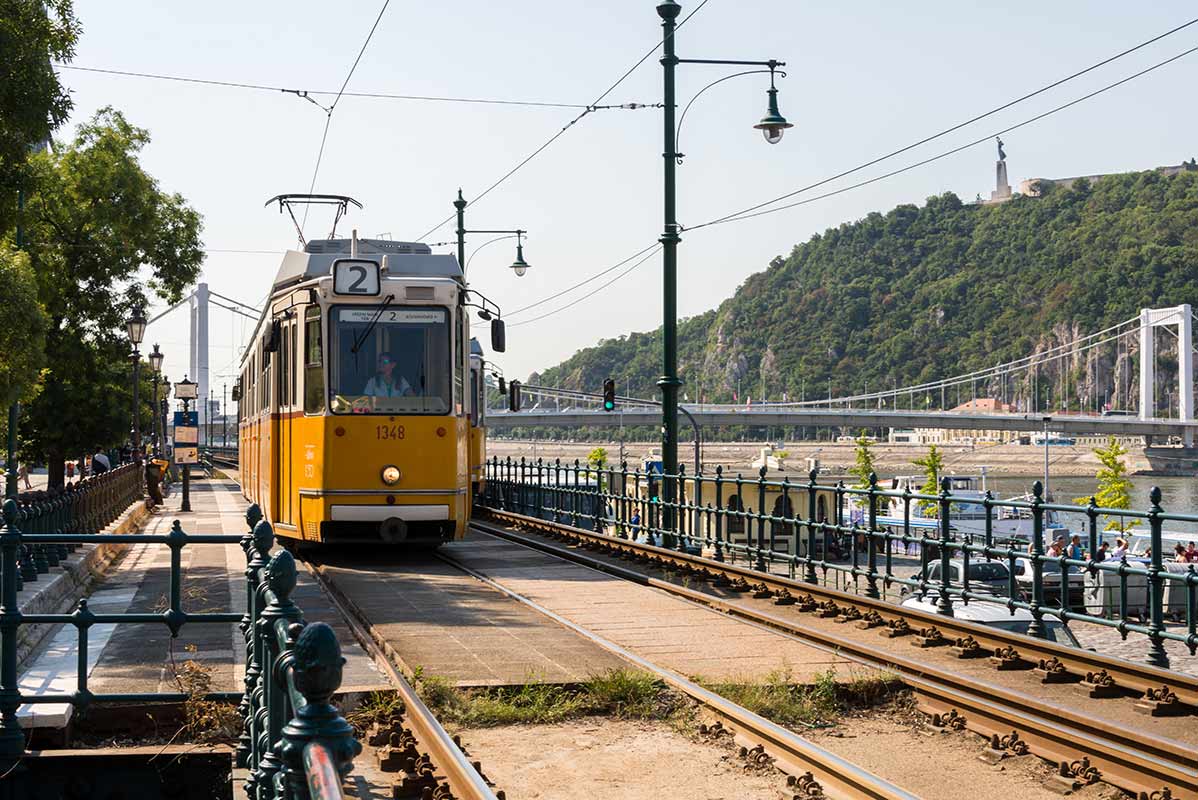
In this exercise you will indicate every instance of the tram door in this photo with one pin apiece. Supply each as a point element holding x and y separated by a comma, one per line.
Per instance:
<point>281,417</point>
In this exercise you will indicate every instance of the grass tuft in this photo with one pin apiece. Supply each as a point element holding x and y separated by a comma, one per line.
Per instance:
<point>384,709</point>
<point>779,699</point>
<point>622,693</point>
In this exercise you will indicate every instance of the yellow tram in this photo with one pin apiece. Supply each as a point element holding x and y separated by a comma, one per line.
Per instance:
<point>360,397</point>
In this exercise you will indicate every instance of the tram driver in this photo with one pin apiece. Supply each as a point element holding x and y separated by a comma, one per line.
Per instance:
<point>385,383</point>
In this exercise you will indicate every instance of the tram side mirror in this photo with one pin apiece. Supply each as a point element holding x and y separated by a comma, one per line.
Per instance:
<point>498,335</point>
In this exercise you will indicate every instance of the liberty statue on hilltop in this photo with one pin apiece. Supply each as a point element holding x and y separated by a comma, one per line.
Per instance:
<point>1002,188</point>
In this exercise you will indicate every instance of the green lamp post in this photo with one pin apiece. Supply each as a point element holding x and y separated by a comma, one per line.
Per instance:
<point>773,125</point>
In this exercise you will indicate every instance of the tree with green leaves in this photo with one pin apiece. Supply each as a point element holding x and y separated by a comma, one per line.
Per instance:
<point>101,232</point>
<point>597,458</point>
<point>1114,486</point>
<point>23,326</point>
<point>32,101</point>
<point>932,465</point>
<point>863,467</point>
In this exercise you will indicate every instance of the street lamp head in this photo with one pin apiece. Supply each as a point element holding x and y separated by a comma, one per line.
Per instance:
<point>135,326</point>
<point>519,266</point>
<point>156,359</point>
<point>773,124</point>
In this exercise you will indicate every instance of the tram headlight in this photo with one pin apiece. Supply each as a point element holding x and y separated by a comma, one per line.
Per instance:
<point>390,475</point>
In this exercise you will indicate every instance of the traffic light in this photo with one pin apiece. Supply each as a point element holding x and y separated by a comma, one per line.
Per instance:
<point>609,395</point>
<point>513,396</point>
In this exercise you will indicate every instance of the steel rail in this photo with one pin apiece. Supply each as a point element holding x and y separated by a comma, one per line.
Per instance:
<point>1128,675</point>
<point>462,778</point>
<point>794,755</point>
<point>1133,760</point>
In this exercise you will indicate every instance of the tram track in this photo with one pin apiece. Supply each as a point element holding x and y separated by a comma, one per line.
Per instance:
<point>1084,747</point>
<point>433,759</point>
<point>812,770</point>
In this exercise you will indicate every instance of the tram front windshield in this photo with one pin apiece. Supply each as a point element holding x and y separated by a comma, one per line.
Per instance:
<point>394,362</point>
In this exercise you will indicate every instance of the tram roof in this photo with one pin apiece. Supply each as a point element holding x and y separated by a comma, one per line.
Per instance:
<point>404,259</point>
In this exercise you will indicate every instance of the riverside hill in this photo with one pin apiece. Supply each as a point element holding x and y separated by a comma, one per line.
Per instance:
<point>927,292</point>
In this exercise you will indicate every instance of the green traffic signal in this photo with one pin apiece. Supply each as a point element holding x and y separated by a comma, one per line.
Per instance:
<point>609,395</point>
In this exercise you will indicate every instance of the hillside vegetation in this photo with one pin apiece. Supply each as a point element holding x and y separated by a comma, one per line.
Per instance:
<point>921,293</point>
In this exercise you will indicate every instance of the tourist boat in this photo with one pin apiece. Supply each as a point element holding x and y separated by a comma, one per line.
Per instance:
<point>967,515</point>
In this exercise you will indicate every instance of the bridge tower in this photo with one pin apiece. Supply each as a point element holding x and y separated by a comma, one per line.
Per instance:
<point>1150,319</point>
<point>199,352</point>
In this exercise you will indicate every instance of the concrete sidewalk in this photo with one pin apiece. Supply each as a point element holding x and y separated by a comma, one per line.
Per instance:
<point>129,657</point>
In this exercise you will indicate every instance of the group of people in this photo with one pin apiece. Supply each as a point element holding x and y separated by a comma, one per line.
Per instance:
<point>1073,550</point>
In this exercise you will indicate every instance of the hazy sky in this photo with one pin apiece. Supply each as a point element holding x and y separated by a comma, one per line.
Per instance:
<point>864,78</point>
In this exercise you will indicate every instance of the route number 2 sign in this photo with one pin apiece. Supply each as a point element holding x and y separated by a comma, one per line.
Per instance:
<point>355,277</point>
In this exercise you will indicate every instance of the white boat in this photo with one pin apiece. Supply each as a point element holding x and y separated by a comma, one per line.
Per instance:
<point>965,517</point>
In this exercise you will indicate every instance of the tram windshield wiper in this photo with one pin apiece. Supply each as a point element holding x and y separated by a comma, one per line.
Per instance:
<point>360,340</point>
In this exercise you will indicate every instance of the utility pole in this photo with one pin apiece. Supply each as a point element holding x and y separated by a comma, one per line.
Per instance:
<point>224,415</point>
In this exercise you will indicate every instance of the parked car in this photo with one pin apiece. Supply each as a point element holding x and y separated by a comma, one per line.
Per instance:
<point>997,615</point>
<point>1051,578</point>
<point>984,576</point>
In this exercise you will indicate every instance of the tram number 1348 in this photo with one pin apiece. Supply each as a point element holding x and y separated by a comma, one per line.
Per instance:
<point>388,431</point>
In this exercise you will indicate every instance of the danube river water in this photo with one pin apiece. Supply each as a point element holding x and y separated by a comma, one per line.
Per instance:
<point>1178,495</point>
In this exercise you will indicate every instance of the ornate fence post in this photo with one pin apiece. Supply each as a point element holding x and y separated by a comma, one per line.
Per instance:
<point>264,540</point>
<point>12,738</point>
<point>761,513</point>
<point>279,577</point>
<point>719,512</point>
<point>944,603</point>
<point>1157,656</point>
<point>810,575</point>
<point>253,515</point>
<point>871,559</point>
<point>316,667</point>
<point>1036,628</point>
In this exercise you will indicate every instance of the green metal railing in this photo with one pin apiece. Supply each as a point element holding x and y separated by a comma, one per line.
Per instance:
<point>816,530</point>
<point>88,504</point>
<point>294,741</point>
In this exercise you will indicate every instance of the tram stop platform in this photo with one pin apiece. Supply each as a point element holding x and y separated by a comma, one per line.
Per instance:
<point>139,657</point>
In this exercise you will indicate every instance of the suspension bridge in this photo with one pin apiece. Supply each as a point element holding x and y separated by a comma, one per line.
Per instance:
<point>1014,386</point>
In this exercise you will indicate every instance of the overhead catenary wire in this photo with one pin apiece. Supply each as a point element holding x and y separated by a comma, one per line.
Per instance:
<point>593,292</point>
<point>590,107</point>
<point>307,93</point>
<point>743,216</point>
<point>333,106</point>
<point>958,125</point>
<point>582,283</point>
<point>745,213</point>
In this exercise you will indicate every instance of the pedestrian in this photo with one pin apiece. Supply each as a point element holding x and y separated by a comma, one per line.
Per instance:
<point>1076,551</point>
<point>1119,552</point>
<point>100,464</point>
<point>1179,554</point>
<point>1192,553</point>
<point>1056,548</point>
<point>23,474</point>
<point>1100,554</point>
<point>70,470</point>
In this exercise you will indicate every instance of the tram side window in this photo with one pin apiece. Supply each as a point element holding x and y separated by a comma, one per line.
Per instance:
<point>458,358</point>
<point>313,363</point>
